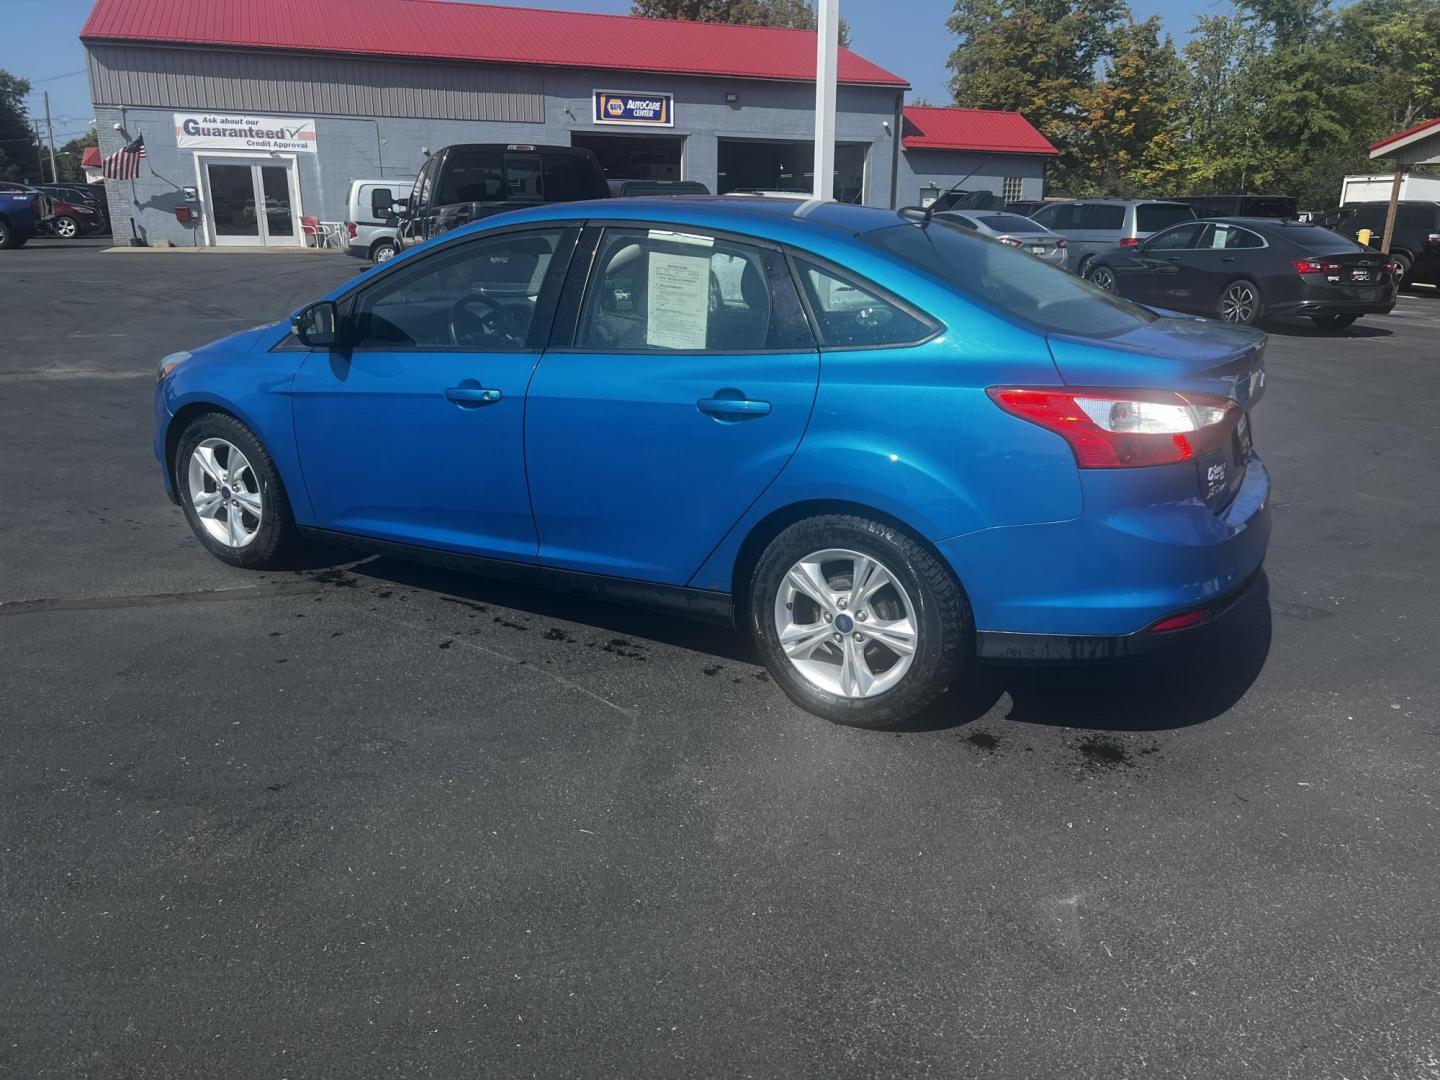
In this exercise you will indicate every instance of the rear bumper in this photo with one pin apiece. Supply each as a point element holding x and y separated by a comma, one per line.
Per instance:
<point>1334,307</point>
<point>359,251</point>
<point>1072,589</point>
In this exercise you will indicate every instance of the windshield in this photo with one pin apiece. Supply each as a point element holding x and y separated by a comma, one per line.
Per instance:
<point>1011,282</point>
<point>1009,223</point>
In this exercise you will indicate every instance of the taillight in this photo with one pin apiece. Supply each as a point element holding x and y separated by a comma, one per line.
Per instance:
<point>1314,266</point>
<point>1060,243</point>
<point>351,229</point>
<point>1009,241</point>
<point>1433,238</point>
<point>1129,241</point>
<point>1389,266</point>
<point>1118,429</point>
<point>1183,621</point>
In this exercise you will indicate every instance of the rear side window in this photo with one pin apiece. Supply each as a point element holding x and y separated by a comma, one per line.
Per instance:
<point>568,177</point>
<point>1103,216</point>
<point>1417,217</point>
<point>1229,236</point>
<point>1010,223</point>
<point>851,315</point>
<point>1060,216</point>
<point>1011,283</point>
<point>1152,217</point>
<point>658,289</point>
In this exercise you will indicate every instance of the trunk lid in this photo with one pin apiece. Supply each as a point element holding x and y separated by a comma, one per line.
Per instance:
<point>1182,354</point>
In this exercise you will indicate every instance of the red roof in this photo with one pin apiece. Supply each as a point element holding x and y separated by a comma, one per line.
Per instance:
<point>91,158</point>
<point>1406,136</point>
<point>930,128</point>
<point>440,30</point>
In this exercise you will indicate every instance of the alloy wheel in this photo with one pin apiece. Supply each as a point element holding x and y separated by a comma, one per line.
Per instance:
<point>1239,303</point>
<point>66,228</point>
<point>846,623</point>
<point>1102,277</point>
<point>225,492</point>
<point>384,254</point>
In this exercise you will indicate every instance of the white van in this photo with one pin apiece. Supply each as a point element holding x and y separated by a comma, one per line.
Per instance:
<point>369,237</point>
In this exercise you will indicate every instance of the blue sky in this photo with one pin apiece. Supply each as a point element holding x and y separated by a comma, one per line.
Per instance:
<point>41,42</point>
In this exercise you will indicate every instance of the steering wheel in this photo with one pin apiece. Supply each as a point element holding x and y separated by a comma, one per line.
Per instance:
<point>475,319</point>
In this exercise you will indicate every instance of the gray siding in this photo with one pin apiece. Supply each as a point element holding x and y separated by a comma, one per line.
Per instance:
<point>981,172</point>
<point>261,82</point>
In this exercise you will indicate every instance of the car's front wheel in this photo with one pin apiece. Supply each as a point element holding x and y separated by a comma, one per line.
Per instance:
<point>383,251</point>
<point>857,621</point>
<point>7,237</point>
<point>1102,276</point>
<point>1402,271</point>
<point>1333,321</point>
<point>232,495</point>
<point>66,227</point>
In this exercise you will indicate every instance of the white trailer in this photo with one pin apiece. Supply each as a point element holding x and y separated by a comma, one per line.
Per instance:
<point>1357,189</point>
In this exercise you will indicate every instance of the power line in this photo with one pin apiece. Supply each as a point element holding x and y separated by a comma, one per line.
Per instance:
<point>52,78</point>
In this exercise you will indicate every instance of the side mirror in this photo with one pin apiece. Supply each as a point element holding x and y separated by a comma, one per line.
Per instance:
<point>316,325</point>
<point>382,202</point>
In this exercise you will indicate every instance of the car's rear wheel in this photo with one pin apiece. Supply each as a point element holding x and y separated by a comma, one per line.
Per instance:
<point>1241,303</point>
<point>1334,321</point>
<point>383,251</point>
<point>66,227</point>
<point>1102,276</point>
<point>857,621</point>
<point>232,494</point>
<point>1082,269</point>
<point>7,236</point>
<point>1402,270</point>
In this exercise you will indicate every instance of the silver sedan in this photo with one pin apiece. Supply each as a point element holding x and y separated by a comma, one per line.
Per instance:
<point>1011,229</point>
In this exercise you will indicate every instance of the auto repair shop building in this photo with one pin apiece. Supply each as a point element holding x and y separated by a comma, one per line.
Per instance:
<point>269,103</point>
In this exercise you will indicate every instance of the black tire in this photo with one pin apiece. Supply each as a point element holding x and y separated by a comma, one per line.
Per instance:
<point>7,236</point>
<point>67,227</point>
<point>276,534</point>
<point>1333,322</point>
<point>1102,277</point>
<point>1083,269</point>
<point>383,251</point>
<point>1248,314</point>
<point>945,635</point>
<point>1403,263</point>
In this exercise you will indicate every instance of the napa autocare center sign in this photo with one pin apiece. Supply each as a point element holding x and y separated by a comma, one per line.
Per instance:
<point>634,109</point>
<point>236,131</point>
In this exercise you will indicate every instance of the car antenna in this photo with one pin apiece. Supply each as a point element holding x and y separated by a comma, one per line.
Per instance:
<point>927,212</point>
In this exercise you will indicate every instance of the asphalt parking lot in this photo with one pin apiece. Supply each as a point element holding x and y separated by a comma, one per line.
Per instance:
<point>371,820</point>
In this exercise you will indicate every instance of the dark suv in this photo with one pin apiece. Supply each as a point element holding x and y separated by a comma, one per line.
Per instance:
<point>1254,206</point>
<point>1415,245</point>
<point>461,184</point>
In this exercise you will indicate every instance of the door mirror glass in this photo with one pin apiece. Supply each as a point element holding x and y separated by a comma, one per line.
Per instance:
<point>382,202</point>
<point>315,325</point>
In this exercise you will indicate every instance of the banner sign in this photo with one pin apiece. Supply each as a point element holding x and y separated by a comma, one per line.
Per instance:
<point>220,131</point>
<point>629,107</point>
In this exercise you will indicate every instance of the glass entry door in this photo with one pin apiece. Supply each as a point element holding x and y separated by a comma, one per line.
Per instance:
<point>251,204</point>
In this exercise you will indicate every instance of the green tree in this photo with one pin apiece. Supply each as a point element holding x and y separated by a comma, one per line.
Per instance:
<point>1037,58</point>
<point>68,157</point>
<point>17,141</point>
<point>792,14</point>
<point>1218,113</point>
<point>1127,136</point>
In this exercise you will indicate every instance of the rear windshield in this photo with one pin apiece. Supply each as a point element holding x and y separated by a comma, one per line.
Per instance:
<point>1009,223</point>
<point>1318,238</point>
<point>497,176</point>
<point>1152,217</point>
<point>1010,282</point>
<point>569,177</point>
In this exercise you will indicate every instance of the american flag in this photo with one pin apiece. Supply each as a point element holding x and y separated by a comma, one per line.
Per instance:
<point>124,164</point>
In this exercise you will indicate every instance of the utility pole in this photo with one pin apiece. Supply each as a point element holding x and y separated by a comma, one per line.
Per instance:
<point>827,23</point>
<point>50,128</point>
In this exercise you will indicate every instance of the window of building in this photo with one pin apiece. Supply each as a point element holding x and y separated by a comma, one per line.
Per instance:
<point>1013,190</point>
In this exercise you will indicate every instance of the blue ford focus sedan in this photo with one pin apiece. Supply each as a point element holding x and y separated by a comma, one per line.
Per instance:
<point>884,446</point>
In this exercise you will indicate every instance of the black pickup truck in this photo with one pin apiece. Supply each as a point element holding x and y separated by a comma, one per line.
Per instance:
<point>20,215</point>
<point>464,183</point>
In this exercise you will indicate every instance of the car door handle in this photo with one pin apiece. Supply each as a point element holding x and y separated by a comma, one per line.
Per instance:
<point>1173,258</point>
<point>470,395</point>
<point>733,408</point>
<point>1227,258</point>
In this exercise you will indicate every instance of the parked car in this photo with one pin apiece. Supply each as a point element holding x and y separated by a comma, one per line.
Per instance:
<point>632,189</point>
<point>1094,226</point>
<point>1243,269</point>
<point>465,183</point>
<point>82,194</point>
<point>1026,206</point>
<point>20,215</point>
<point>1013,230</point>
<point>1415,244</point>
<point>371,232</point>
<point>1264,206</point>
<point>67,220</point>
<point>967,200</point>
<point>881,446</point>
